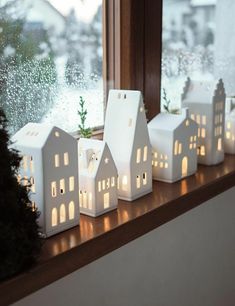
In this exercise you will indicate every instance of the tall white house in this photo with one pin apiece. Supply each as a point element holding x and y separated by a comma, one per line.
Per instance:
<point>50,164</point>
<point>229,136</point>
<point>126,134</point>
<point>206,103</point>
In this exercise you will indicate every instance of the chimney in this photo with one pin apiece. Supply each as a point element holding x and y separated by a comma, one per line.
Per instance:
<point>185,112</point>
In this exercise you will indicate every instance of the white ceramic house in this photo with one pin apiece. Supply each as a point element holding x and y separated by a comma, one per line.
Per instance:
<point>126,134</point>
<point>97,178</point>
<point>229,135</point>
<point>206,103</point>
<point>50,164</point>
<point>174,146</point>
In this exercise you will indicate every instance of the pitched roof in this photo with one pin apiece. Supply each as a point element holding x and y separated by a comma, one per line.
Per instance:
<point>200,91</point>
<point>33,135</point>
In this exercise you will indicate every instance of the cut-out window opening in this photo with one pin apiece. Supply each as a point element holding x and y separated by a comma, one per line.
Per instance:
<point>108,183</point>
<point>166,165</point>
<point>32,183</point>
<point>145,153</point>
<point>219,146</point>
<point>71,183</point>
<point>57,160</point>
<point>228,135</point>
<point>34,206</point>
<point>113,181</point>
<point>54,217</point>
<point>202,151</point>
<point>176,147</point>
<point>204,120</point>
<point>66,159</point>
<point>62,186</point>
<point>62,213</point>
<point>103,184</point>
<point>31,164</point>
<point>187,123</point>
<point>145,178</point>
<point>99,186</point>
<point>228,125</point>
<point>106,200</point>
<point>180,148</point>
<point>71,210</point>
<point>124,182</point>
<point>138,181</point>
<point>138,156</point>
<point>203,133</point>
<point>53,189</point>
<point>57,134</point>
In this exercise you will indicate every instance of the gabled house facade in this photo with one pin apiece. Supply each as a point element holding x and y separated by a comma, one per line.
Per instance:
<point>174,146</point>
<point>49,164</point>
<point>97,178</point>
<point>229,135</point>
<point>126,134</point>
<point>206,103</point>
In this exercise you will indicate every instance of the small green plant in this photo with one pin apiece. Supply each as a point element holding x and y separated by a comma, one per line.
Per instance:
<point>82,112</point>
<point>167,103</point>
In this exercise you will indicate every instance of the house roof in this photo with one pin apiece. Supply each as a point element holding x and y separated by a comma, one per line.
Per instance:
<point>203,2</point>
<point>33,135</point>
<point>167,122</point>
<point>90,155</point>
<point>201,91</point>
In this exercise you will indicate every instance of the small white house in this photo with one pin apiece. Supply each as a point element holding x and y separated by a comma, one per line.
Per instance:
<point>174,146</point>
<point>126,134</point>
<point>206,103</point>
<point>50,164</point>
<point>229,135</point>
<point>97,178</point>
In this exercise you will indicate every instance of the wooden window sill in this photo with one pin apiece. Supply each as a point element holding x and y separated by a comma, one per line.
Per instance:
<point>66,252</point>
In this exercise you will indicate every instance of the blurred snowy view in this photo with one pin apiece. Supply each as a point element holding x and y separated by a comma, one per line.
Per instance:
<point>189,33</point>
<point>50,54</point>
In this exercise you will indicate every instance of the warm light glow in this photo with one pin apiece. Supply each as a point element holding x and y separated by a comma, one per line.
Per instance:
<point>195,138</point>
<point>124,182</point>
<point>185,166</point>
<point>187,122</point>
<point>180,148</point>
<point>106,200</point>
<point>198,119</point>
<point>166,165</point>
<point>57,134</point>
<point>57,160</point>
<point>141,109</point>
<point>112,181</point>
<point>228,125</point>
<point>118,184</point>
<point>198,132</point>
<point>194,145</point>
<point>66,159</point>
<point>191,138</point>
<point>155,164</point>
<point>176,147</point>
<point>90,200</point>
<point>99,186</point>
<point>192,117</point>
<point>219,146</point>
<point>54,217</point>
<point>53,189</point>
<point>166,157</point>
<point>62,213</point>
<point>103,184</point>
<point>228,135</point>
<point>34,206</point>
<point>155,154</point>
<point>71,183</point>
<point>71,210</point>
<point>32,182</point>
<point>203,133</point>
<point>202,151</point>
<point>62,186</point>
<point>161,164</point>
<point>190,146</point>
<point>138,155</point>
<point>204,120</point>
<point>138,182</point>
<point>106,160</point>
<point>25,163</point>
<point>31,165</point>
<point>145,178</point>
<point>145,153</point>
<point>108,183</point>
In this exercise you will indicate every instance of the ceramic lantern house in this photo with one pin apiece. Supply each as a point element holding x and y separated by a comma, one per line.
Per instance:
<point>126,134</point>
<point>50,164</point>
<point>97,178</point>
<point>229,136</point>
<point>174,146</point>
<point>206,103</point>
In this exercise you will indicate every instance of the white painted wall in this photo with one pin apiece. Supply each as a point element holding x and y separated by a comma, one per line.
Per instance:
<point>189,261</point>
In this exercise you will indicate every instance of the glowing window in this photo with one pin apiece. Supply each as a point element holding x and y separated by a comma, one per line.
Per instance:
<point>62,213</point>
<point>145,153</point>
<point>112,181</point>
<point>221,118</point>
<point>32,182</point>
<point>57,134</point>
<point>228,125</point>
<point>66,159</point>
<point>145,178</point>
<point>161,164</point>
<point>138,182</point>
<point>99,186</point>
<point>166,165</point>
<point>53,189</point>
<point>155,154</point>
<point>71,183</point>
<point>103,184</point>
<point>176,147</point>
<point>198,119</point>
<point>194,145</point>
<point>187,122</point>
<point>138,155</point>
<point>228,135</point>
<point>180,148</point>
<point>166,157</point>
<point>108,183</point>
<point>25,163</point>
<point>62,186</point>
<point>198,132</point>
<point>57,160</point>
<point>106,200</point>
<point>141,109</point>
<point>192,116</point>
<point>203,133</point>
<point>161,156</point>
<point>118,184</point>
<point>106,160</point>
<point>124,182</point>
<point>34,206</point>
<point>204,120</point>
<point>54,217</point>
<point>156,164</point>
<point>202,151</point>
<point>191,138</point>
<point>195,138</point>
<point>71,210</point>
<point>18,178</point>
<point>90,201</point>
<point>219,145</point>
<point>190,146</point>
<point>31,164</point>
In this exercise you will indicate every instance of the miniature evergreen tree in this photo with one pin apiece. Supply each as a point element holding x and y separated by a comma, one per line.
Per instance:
<point>84,132</point>
<point>167,103</point>
<point>19,232</point>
